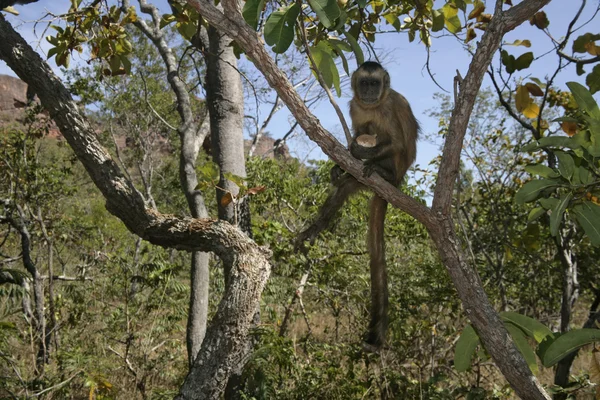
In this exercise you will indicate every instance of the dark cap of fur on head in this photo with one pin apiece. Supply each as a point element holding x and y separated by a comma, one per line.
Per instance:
<point>370,66</point>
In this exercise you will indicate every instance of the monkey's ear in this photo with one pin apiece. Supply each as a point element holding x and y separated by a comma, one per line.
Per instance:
<point>386,79</point>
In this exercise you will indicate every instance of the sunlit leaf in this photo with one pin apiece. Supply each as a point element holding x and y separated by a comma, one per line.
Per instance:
<point>532,111</point>
<point>531,327</point>
<point>451,19</point>
<point>518,42</point>
<point>478,8</point>
<point>522,99</point>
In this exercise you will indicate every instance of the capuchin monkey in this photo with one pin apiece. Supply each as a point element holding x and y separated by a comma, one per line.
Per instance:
<point>385,137</point>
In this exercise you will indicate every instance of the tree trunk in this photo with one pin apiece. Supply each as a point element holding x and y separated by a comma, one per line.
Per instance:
<point>225,101</point>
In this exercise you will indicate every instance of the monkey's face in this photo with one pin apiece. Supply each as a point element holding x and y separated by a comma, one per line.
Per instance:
<point>370,83</point>
<point>369,89</point>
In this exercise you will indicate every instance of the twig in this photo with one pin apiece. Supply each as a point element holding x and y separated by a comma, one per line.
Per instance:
<point>58,385</point>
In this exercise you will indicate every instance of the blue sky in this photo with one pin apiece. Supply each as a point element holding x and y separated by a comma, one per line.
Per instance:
<point>405,62</point>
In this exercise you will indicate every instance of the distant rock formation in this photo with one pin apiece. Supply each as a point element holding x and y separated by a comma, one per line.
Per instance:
<point>13,94</point>
<point>14,98</point>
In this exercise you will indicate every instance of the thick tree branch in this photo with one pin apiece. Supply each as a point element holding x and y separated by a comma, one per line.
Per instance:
<point>248,262</point>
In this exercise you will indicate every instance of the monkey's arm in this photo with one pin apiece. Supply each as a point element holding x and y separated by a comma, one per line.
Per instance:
<point>380,151</point>
<point>375,158</point>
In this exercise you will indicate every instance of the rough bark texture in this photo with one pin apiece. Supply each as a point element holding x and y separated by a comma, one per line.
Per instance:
<point>225,102</point>
<point>438,221</point>
<point>247,261</point>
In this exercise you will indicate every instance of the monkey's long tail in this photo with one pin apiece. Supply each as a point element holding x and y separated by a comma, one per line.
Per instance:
<point>379,287</point>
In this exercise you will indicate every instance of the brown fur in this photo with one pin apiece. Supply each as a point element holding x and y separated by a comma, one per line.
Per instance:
<point>375,109</point>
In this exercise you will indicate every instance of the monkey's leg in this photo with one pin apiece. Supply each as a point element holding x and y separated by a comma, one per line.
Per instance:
<point>379,288</point>
<point>346,186</point>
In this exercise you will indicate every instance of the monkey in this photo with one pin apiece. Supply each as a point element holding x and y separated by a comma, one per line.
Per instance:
<point>385,133</point>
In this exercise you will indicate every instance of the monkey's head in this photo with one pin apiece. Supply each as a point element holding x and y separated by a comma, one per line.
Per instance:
<point>370,83</point>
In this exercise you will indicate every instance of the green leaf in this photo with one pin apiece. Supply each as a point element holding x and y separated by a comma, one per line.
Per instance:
<point>279,28</point>
<point>524,61</point>
<point>524,347</point>
<point>532,189</point>
<point>584,99</point>
<point>573,143</point>
<point>166,20</point>
<point>581,41</point>
<point>465,348</point>
<point>251,12</point>
<point>568,342</point>
<point>324,62</point>
<point>566,165</point>
<point>508,60</point>
<point>337,45</point>
<point>541,170</point>
<point>586,176</point>
<point>558,211</point>
<point>593,79</point>
<point>588,216</point>
<point>438,21</point>
<point>358,53</point>
<point>531,327</point>
<point>548,203</point>
<point>535,214</point>
<point>328,11</point>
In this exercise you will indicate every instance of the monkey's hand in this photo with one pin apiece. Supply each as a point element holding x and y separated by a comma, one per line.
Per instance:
<point>371,168</point>
<point>362,152</point>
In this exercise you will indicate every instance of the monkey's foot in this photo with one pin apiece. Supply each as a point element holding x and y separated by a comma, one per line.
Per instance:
<point>371,348</point>
<point>302,238</point>
<point>370,169</point>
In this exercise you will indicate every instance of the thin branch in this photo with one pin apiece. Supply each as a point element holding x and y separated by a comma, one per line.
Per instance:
<point>168,125</point>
